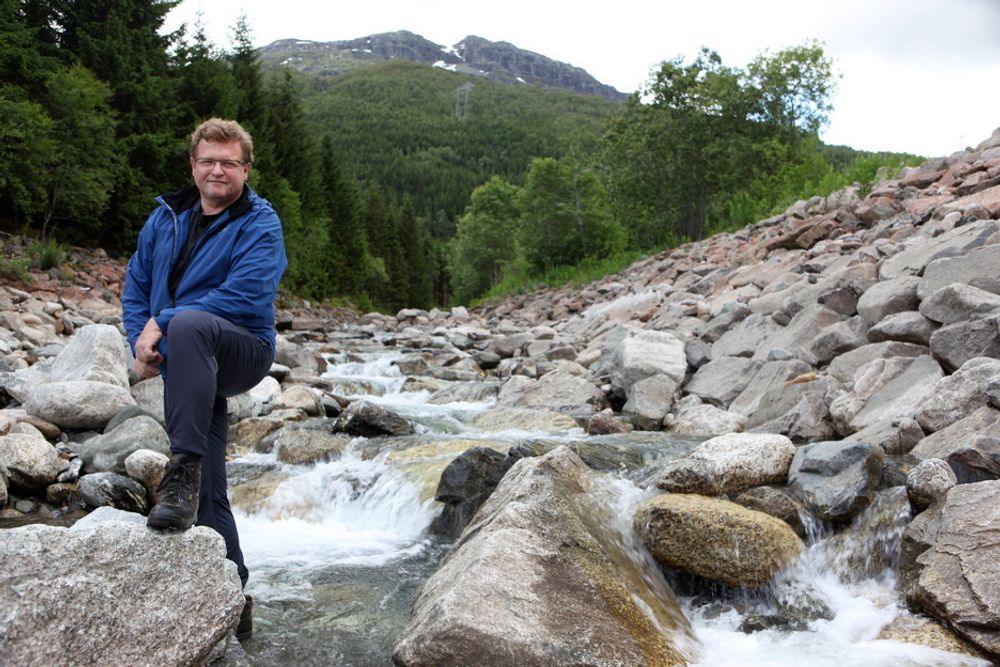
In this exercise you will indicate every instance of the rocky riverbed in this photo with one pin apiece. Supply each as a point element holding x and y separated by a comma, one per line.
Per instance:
<point>817,392</point>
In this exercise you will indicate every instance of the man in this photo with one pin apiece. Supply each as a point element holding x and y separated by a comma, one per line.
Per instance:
<point>199,307</point>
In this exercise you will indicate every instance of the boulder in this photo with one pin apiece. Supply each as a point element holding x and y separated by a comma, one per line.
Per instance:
<point>147,467</point>
<point>148,395</point>
<point>721,380</point>
<point>843,368</point>
<point>465,485</point>
<point>362,418</point>
<point>798,334</point>
<point>111,489</point>
<point>954,344</point>
<point>465,392</point>
<point>638,354</point>
<point>559,390</point>
<point>870,546</point>
<point>746,337</point>
<point>958,580</point>
<point>918,629</point>
<point>786,397</point>
<point>716,539</point>
<point>696,418</point>
<point>729,463</point>
<point>506,419</point>
<point>885,389</point>
<point>649,401</point>
<point>605,422</point>
<point>107,452</point>
<point>304,446</point>
<point>921,251</point>
<point>836,480</point>
<point>887,298</point>
<point>538,568</point>
<point>928,482</point>
<point>957,302</point>
<point>894,436</point>
<point>95,353</point>
<point>78,404</point>
<point>294,355</point>
<point>957,395</point>
<point>836,339</point>
<point>31,462</point>
<point>776,502</point>
<point>247,434</point>
<point>977,268</point>
<point>122,594</point>
<point>941,444</point>
<point>299,397</point>
<point>906,327</point>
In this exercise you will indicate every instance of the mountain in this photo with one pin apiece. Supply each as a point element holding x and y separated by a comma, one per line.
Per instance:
<point>496,61</point>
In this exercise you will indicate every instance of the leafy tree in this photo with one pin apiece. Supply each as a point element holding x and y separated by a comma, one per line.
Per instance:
<point>27,149</point>
<point>565,216</point>
<point>485,242</point>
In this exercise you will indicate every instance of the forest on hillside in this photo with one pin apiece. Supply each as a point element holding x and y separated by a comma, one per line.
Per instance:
<point>399,184</point>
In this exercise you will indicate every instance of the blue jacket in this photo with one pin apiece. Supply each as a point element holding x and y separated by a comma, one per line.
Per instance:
<point>233,271</point>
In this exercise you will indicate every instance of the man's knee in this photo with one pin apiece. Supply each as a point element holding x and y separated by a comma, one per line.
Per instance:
<point>191,322</point>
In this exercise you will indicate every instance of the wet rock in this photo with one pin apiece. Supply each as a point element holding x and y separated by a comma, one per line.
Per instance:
<point>912,629</point>
<point>114,490</point>
<point>957,302</point>
<point>107,452</point>
<point>80,404</point>
<point>505,419</point>
<point>887,298</point>
<point>729,463</point>
<point>716,539</point>
<point>871,544</point>
<point>365,419</point>
<point>31,463</point>
<point>465,392</point>
<point>928,482</point>
<point>696,418</point>
<point>247,434</point>
<point>465,485</point>
<point>907,327</point>
<point>298,397</point>
<point>720,381</point>
<point>775,502</point>
<point>135,592</point>
<point>957,582</point>
<point>534,572</point>
<point>297,356</point>
<point>649,401</point>
<point>605,422</point>
<point>958,394</point>
<point>836,480</point>
<point>305,446</point>
<point>954,344</point>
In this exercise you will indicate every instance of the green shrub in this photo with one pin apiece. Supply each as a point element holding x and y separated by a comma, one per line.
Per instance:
<point>47,254</point>
<point>15,268</point>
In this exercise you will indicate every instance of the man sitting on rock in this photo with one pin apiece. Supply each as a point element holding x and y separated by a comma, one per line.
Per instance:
<point>203,280</point>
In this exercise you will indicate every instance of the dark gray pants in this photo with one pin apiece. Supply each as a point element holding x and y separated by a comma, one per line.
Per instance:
<point>208,360</point>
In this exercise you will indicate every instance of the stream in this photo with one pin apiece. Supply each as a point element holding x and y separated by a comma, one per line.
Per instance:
<point>338,551</point>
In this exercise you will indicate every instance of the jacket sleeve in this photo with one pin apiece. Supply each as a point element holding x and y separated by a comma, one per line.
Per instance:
<point>257,264</point>
<point>138,283</point>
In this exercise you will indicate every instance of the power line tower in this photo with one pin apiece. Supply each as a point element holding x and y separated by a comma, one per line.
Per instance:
<point>462,100</point>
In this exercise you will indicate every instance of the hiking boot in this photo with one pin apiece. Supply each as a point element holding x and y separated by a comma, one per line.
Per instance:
<point>177,507</point>
<point>245,629</point>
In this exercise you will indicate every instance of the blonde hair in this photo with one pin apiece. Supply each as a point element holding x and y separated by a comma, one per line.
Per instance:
<point>217,129</point>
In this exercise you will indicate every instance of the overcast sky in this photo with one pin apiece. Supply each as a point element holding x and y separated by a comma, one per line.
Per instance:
<point>919,76</point>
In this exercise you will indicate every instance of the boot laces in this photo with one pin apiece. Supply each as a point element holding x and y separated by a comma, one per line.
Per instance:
<point>179,480</point>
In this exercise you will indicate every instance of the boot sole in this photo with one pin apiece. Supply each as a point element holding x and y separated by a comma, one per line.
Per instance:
<point>168,521</point>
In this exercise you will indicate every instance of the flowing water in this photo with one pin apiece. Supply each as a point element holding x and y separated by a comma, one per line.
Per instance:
<point>338,551</point>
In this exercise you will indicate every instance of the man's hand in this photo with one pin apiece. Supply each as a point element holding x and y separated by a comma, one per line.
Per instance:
<point>146,357</point>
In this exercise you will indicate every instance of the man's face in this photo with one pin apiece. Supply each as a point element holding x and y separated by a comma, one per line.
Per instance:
<point>219,172</point>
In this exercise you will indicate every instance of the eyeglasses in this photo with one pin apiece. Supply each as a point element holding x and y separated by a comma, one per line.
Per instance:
<point>228,165</point>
